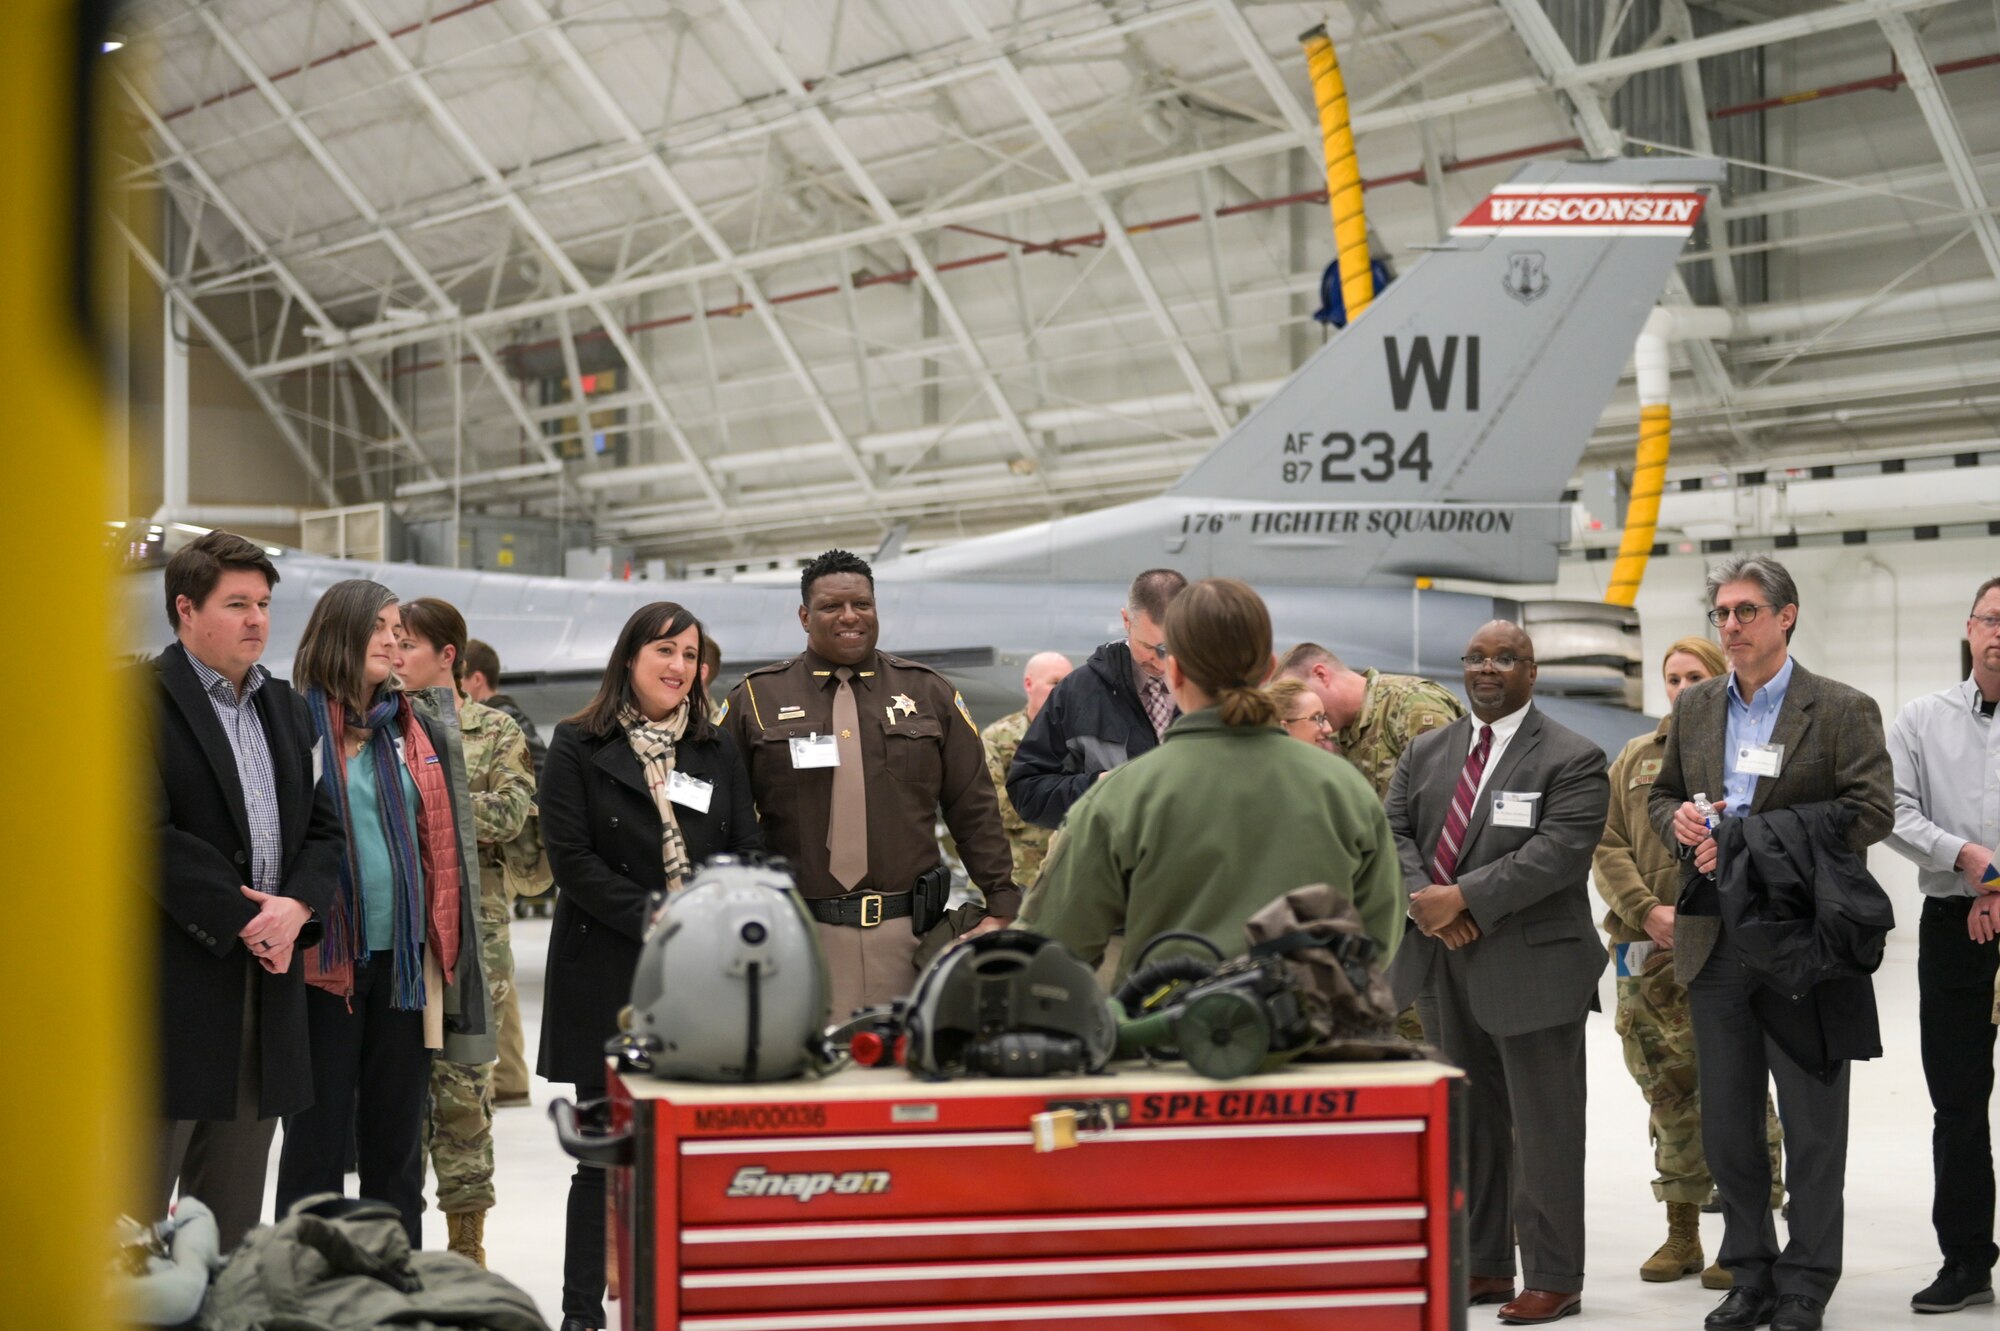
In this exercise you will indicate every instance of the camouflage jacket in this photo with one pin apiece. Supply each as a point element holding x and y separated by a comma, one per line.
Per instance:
<point>503,782</point>
<point>537,750</point>
<point>1029,843</point>
<point>1395,710</point>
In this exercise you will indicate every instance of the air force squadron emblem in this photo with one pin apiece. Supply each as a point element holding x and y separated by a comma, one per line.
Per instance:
<point>1527,277</point>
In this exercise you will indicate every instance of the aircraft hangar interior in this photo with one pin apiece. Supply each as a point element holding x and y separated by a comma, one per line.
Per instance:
<point>1411,314</point>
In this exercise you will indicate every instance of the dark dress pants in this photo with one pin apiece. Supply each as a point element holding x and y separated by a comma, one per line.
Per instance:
<point>1955,1011</point>
<point>222,1162</point>
<point>1736,1061</point>
<point>583,1239</point>
<point>372,1071</point>
<point>1525,1098</point>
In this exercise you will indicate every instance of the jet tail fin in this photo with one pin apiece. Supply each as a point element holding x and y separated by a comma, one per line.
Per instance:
<point>1477,377</point>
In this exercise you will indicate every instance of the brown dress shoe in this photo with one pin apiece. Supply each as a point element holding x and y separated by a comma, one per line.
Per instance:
<point>1536,1306</point>
<point>1489,1289</point>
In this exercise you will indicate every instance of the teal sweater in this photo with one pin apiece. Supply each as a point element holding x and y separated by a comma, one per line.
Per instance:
<point>1205,831</point>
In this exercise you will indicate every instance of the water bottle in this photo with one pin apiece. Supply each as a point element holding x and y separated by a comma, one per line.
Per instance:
<point>1705,809</point>
<point>1707,812</point>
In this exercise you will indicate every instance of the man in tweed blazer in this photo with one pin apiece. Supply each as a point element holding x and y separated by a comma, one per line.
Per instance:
<point>1772,735</point>
<point>1496,817</point>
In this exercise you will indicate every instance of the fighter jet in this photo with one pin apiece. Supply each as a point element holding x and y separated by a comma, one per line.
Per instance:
<point>1431,438</point>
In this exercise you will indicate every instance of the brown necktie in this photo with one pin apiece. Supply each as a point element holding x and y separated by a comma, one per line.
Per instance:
<point>847,829</point>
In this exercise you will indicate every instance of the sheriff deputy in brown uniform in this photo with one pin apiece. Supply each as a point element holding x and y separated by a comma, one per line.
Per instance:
<point>851,753</point>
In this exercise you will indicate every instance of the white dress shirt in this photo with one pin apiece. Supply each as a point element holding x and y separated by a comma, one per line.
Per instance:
<point>1946,752</point>
<point>1503,731</point>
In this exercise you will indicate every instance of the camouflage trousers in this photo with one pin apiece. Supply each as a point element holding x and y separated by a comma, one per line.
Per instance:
<point>1658,1032</point>
<point>459,1135</point>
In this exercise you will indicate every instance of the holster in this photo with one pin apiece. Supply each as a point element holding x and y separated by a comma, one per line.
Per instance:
<point>927,897</point>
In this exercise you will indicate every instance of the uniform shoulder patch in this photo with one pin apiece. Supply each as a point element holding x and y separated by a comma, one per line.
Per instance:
<point>721,713</point>
<point>958,701</point>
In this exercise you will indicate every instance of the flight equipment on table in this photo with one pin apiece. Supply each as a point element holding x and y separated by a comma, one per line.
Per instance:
<point>731,984</point>
<point>1006,1004</point>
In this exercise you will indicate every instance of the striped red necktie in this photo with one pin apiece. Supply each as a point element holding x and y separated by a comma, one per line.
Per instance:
<point>1444,860</point>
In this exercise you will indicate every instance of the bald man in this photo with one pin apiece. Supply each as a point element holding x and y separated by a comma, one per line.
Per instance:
<point>1030,843</point>
<point>1496,817</point>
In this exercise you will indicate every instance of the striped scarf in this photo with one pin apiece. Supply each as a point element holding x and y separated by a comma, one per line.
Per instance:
<point>425,868</point>
<point>653,742</point>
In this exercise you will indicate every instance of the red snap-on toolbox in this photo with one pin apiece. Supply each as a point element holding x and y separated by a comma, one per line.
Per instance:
<point>1325,1195</point>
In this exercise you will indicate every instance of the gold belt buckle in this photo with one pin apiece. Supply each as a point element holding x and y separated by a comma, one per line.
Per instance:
<point>871,910</point>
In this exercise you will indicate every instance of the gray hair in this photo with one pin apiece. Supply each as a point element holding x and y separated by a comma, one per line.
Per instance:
<point>1771,577</point>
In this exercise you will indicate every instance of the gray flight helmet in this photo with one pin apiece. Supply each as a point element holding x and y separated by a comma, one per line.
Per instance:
<point>731,982</point>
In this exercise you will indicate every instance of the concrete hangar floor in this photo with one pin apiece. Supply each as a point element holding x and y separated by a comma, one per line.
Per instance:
<point>1890,1248</point>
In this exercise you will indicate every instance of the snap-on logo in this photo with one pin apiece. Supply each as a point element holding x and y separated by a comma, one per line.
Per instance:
<point>756,1181</point>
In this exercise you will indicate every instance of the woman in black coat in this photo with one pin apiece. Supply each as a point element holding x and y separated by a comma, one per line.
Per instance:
<point>638,789</point>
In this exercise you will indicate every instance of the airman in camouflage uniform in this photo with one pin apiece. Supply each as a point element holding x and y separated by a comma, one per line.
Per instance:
<point>1395,709</point>
<point>1029,843</point>
<point>1635,873</point>
<point>461,1126</point>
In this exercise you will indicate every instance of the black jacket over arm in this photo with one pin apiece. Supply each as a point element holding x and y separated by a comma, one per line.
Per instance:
<point>200,844</point>
<point>603,839</point>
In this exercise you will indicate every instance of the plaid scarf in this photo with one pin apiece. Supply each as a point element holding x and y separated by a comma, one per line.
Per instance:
<point>653,742</point>
<point>425,870</point>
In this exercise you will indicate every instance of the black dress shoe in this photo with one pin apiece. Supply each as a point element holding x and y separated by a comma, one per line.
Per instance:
<point>577,1324</point>
<point>1956,1286</point>
<point>1743,1307</point>
<point>1797,1312</point>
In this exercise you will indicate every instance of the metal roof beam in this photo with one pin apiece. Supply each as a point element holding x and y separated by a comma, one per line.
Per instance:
<point>879,204</point>
<point>669,184</point>
<point>1114,230</point>
<point>1944,128</point>
<point>525,218</point>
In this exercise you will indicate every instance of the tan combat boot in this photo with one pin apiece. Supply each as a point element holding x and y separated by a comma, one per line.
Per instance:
<point>1717,1277</point>
<point>1680,1255</point>
<point>468,1234</point>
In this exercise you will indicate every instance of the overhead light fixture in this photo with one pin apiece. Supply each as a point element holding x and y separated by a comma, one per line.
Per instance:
<point>113,43</point>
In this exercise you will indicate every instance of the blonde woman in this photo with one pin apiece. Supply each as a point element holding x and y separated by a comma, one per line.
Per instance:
<point>1302,714</point>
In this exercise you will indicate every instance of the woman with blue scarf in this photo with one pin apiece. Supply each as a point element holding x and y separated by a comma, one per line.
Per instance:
<point>391,941</point>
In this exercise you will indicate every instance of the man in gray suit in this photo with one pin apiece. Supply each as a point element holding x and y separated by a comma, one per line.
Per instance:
<point>1772,735</point>
<point>1496,817</point>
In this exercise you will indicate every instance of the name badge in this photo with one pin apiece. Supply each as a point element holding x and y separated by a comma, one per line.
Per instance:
<point>1516,808</point>
<point>689,791</point>
<point>1760,759</point>
<point>815,751</point>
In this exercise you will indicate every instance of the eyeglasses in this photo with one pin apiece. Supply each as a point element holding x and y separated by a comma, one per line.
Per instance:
<point>1318,721</point>
<point>1744,613</point>
<point>1988,621</point>
<point>1497,662</point>
<point>1156,650</point>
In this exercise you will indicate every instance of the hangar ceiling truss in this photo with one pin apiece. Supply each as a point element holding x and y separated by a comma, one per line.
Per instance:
<point>975,262</point>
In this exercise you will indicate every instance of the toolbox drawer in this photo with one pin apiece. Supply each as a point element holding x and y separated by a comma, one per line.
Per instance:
<point>1096,1233</point>
<point>888,1283</point>
<point>885,1176</point>
<point>1378,1310</point>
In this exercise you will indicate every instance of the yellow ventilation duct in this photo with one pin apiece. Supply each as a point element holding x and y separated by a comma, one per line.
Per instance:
<point>1649,469</point>
<point>1343,173</point>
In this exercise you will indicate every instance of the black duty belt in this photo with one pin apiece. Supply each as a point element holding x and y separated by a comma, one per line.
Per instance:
<point>863,910</point>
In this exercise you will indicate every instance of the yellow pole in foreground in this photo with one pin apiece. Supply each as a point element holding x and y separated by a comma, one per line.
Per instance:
<point>69,1016</point>
<point>1343,173</point>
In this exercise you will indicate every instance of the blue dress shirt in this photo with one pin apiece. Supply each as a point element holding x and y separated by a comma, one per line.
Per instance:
<point>1750,723</point>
